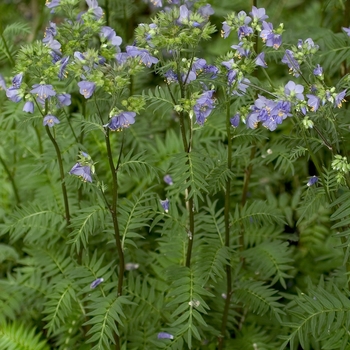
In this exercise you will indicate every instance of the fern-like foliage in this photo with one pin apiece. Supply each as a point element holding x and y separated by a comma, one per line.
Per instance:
<point>270,260</point>
<point>322,314</point>
<point>259,298</point>
<point>106,314</point>
<point>14,336</point>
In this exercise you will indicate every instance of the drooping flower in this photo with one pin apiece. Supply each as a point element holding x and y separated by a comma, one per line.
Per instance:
<point>96,10</point>
<point>346,30</point>
<point>164,335</point>
<point>235,120</point>
<point>43,91</point>
<point>50,120</point>
<point>339,99</point>
<point>121,120</point>
<point>86,88</point>
<point>170,76</point>
<point>63,64</point>
<point>17,80</point>
<point>143,54</point>
<point>50,32</point>
<point>260,60</point>
<point>292,63</point>
<point>83,171</point>
<point>165,204</point>
<point>64,99</point>
<point>110,34</point>
<point>14,94</point>
<point>206,11</point>
<point>226,30</point>
<point>95,283</point>
<point>28,107</point>
<point>168,180</point>
<point>312,181</point>
<point>244,31</point>
<point>313,102</point>
<point>318,71</point>
<point>53,3</point>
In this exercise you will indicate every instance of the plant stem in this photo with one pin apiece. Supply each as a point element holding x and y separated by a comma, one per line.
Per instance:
<point>227,229</point>
<point>60,165</point>
<point>12,180</point>
<point>114,214</point>
<point>7,51</point>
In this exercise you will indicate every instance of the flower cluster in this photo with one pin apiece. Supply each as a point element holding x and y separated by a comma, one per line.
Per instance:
<point>204,106</point>
<point>245,26</point>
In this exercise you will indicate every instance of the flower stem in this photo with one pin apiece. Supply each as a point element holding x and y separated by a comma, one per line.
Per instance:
<point>12,180</point>
<point>60,165</point>
<point>227,229</point>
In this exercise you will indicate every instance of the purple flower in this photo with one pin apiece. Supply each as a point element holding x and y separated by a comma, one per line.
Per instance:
<point>203,107</point>
<point>339,99</point>
<point>164,335</point>
<point>268,112</point>
<point>165,204</point>
<point>242,51</point>
<point>235,120</point>
<point>170,76</point>
<point>292,63</point>
<point>95,283</point>
<point>145,56</point>
<point>291,89</point>
<point>28,107</point>
<point>64,99</point>
<point>346,30</point>
<point>267,31</point>
<point>52,4</point>
<point>86,88</point>
<point>82,171</point>
<point>17,80</point>
<point>120,121</point>
<point>313,102</point>
<point>312,181</point>
<point>244,31</point>
<point>226,30</point>
<point>260,60</point>
<point>14,94</point>
<point>258,14</point>
<point>43,91</point>
<point>212,70</point>
<point>121,57</point>
<point>206,11</point>
<point>269,37</point>
<point>50,120</point>
<point>93,6</point>
<point>184,15</point>
<point>63,64</point>
<point>168,180</point>
<point>110,35</point>
<point>318,71</point>
<point>50,32</point>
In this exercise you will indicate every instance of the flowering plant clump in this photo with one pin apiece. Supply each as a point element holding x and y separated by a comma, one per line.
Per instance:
<point>215,193</point>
